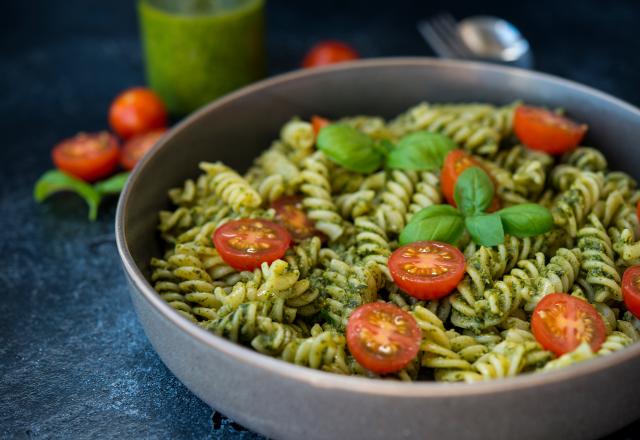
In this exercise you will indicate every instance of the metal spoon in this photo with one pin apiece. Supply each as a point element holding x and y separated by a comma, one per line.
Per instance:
<point>482,38</point>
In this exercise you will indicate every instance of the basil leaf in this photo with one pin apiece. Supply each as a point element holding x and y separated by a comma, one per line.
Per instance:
<point>112,185</point>
<point>526,220</point>
<point>55,181</point>
<point>437,222</point>
<point>473,191</point>
<point>421,150</point>
<point>349,148</point>
<point>485,229</point>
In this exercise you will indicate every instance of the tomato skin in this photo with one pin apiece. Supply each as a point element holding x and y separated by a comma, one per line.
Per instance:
<point>329,52</point>
<point>557,317</point>
<point>631,290</point>
<point>318,122</point>
<point>289,213</point>
<point>247,243</point>
<point>427,256</point>
<point>544,130</point>
<point>393,328</point>
<point>638,210</point>
<point>454,164</point>
<point>137,111</point>
<point>87,156</point>
<point>137,146</point>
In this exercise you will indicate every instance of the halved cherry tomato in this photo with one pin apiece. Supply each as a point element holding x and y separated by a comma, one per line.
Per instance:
<point>561,322</point>
<point>289,213</point>
<point>137,111</point>
<point>544,130</point>
<point>631,290</point>
<point>454,164</point>
<point>318,122</point>
<point>427,269</point>
<point>638,210</point>
<point>382,337</point>
<point>329,52</point>
<point>137,146</point>
<point>247,243</point>
<point>88,156</point>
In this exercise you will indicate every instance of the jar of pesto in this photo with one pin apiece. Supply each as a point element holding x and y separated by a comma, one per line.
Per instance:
<point>198,50</point>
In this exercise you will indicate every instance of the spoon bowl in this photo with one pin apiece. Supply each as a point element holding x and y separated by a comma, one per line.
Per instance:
<point>495,39</point>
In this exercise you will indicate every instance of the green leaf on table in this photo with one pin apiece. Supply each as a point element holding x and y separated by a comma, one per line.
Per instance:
<point>473,191</point>
<point>485,229</point>
<point>526,220</point>
<point>420,151</point>
<point>349,148</point>
<point>113,185</point>
<point>54,181</point>
<point>436,222</point>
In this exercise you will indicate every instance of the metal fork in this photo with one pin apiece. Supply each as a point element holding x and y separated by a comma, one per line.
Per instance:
<point>441,31</point>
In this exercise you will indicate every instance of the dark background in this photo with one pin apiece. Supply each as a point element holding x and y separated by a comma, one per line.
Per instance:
<point>74,362</point>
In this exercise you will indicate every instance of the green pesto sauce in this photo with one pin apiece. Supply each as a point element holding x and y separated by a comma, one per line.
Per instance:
<point>200,50</point>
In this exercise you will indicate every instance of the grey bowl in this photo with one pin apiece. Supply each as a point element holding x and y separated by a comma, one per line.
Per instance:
<point>290,402</point>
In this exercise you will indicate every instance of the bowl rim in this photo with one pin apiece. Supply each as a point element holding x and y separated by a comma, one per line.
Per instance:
<point>322,379</point>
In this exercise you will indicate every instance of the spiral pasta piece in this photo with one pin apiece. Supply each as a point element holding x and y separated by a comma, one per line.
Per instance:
<point>427,193</point>
<point>557,276</point>
<point>317,201</point>
<point>572,206</point>
<point>597,266</point>
<point>323,350</point>
<point>230,186</point>
<point>395,200</point>
<point>355,204</point>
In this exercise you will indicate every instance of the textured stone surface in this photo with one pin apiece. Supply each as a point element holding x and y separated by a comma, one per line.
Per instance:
<point>74,362</point>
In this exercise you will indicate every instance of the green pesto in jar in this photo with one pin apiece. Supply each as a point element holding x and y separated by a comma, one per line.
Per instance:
<point>198,50</point>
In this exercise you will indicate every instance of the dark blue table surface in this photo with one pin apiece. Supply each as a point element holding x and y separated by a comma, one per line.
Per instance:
<point>74,361</point>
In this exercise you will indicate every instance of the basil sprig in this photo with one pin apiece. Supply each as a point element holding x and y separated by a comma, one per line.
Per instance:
<point>421,150</point>
<point>355,151</point>
<point>54,181</point>
<point>473,194</point>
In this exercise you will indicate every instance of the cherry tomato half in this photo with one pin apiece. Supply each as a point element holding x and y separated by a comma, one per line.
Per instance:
<point>638,210</point>
<point>137,146</point>
<point>289,213</point>
<point>382,337</point>
<point>561,322</point>
<point>427,269</point>
<point>137,111</point>
<point>631,290</point>
<point>454,164</point>
<point>329,52</point>
<point>88,156</point>
<point>247,243</point>
<point>318,122</point>
<point>544,130</point>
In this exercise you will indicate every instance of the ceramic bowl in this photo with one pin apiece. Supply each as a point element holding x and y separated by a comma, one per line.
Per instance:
<point>286,401</point>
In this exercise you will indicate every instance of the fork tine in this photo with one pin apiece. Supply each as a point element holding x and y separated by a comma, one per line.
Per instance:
<point>447,28</point>
<point>439,46</point>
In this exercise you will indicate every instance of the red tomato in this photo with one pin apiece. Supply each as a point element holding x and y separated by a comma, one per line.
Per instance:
<point>137,146</point>
<point>631,290</point>
<point>427,269</point>
<point>329,52</point>
<point>541,129</point>
<point>454,164</point>
<point>88,156</point>
<point>638,210</point>
<point>382,337</point>
<point>318,122</point>
<point>137,111</point>
<point>561,322</point>
<point>289,213</point>
<point>247,243</point>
